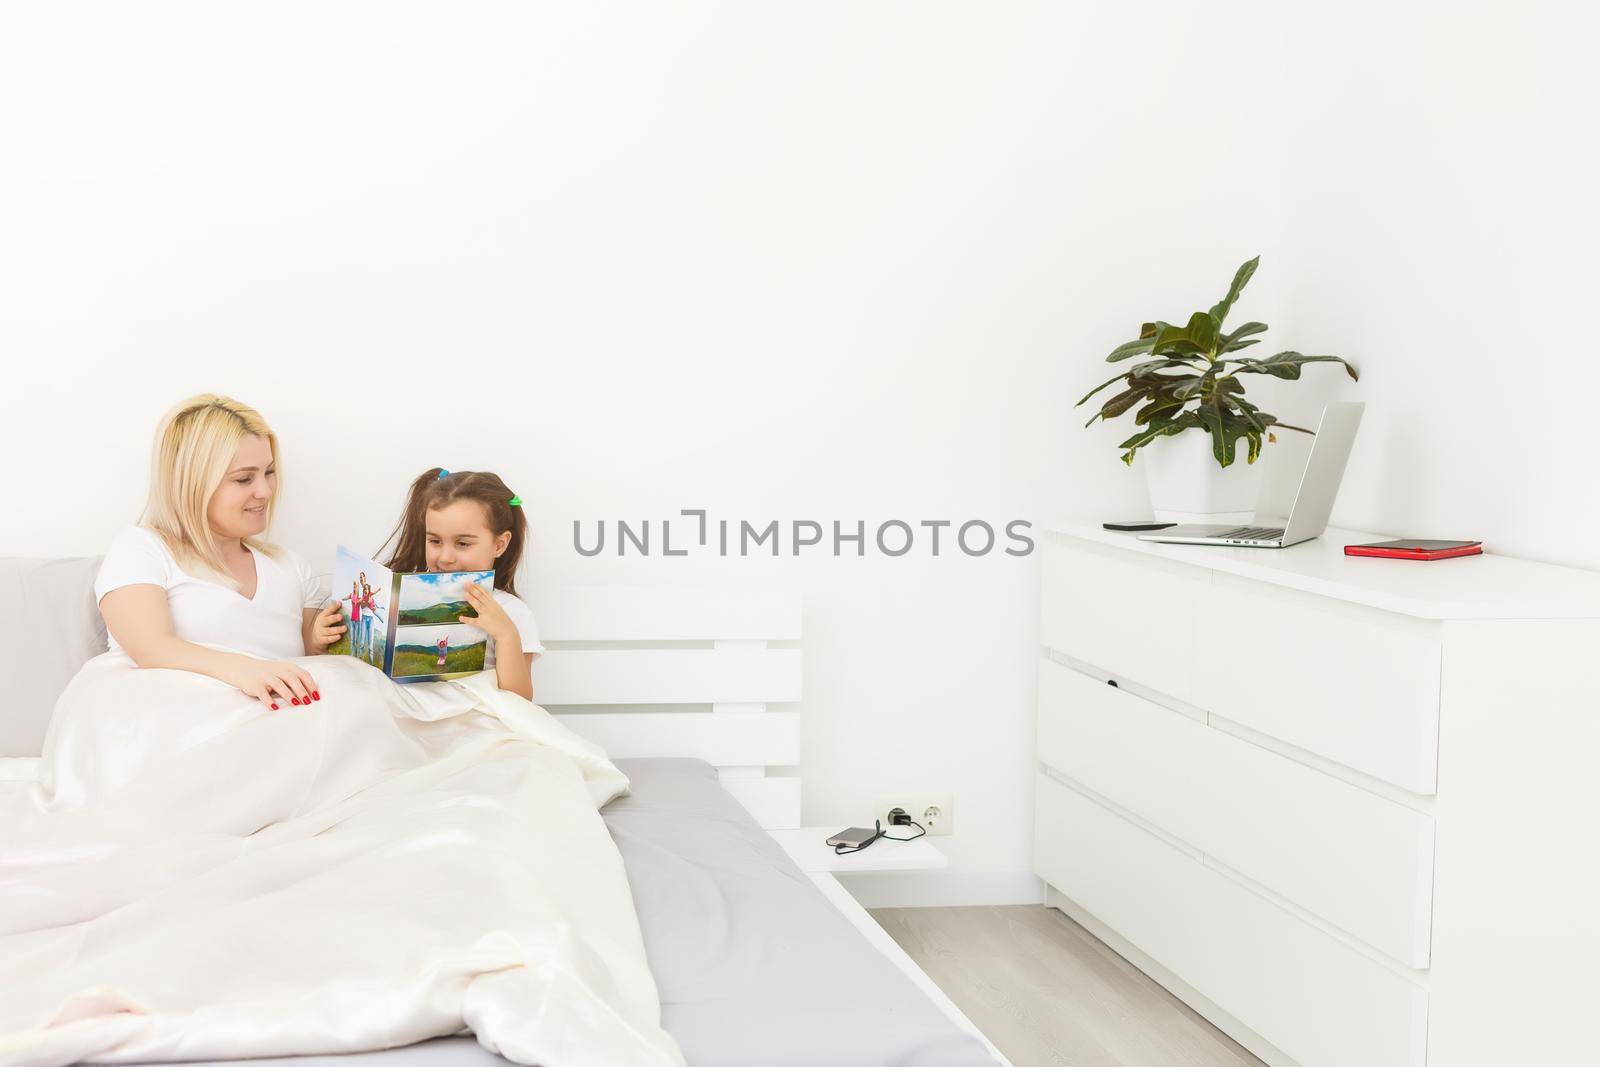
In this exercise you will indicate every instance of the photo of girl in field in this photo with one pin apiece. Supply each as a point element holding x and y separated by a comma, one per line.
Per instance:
<point>438,650</point>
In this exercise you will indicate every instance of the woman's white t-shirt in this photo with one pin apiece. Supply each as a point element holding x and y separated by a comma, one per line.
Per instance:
<point>522,615</point>
<point>266,625</point>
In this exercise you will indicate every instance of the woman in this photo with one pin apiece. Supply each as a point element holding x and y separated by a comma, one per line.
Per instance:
<point>193,587</point>
<point>196,878</point>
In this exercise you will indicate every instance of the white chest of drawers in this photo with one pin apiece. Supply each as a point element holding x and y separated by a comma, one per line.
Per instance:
<point>1346,808</point>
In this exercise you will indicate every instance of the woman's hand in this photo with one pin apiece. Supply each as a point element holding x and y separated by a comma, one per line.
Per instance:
<point>492,618</point>
<point>270,681</point>
<point>139,618</point>
<point>326,629</point>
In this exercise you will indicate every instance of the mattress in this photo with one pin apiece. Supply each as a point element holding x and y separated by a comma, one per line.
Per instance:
<point>754,966</point>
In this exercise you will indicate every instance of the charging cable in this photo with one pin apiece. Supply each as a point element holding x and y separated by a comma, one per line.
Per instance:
<point>897,817</point>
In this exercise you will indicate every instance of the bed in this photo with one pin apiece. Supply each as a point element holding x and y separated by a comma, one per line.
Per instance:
<point>692,692</point>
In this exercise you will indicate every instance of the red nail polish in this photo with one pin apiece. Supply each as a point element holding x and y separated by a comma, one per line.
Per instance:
<point>316,696</point>
<point>295,701</point>
<point>274,707</point>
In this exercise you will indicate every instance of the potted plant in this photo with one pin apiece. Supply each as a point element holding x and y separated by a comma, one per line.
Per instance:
<point>1191,381</point>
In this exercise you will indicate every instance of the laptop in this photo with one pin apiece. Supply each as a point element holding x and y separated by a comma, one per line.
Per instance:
<point>1313,498</point>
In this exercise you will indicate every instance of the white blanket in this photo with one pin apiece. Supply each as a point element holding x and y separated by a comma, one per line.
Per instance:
<point>196,877</point>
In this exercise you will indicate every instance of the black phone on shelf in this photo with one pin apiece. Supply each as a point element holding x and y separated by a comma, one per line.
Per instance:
<point>1137,526</point>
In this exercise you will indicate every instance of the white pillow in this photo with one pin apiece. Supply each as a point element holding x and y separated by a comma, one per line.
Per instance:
<point>50,626</point>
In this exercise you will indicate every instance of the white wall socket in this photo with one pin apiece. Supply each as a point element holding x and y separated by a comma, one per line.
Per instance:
<point>936,811</point>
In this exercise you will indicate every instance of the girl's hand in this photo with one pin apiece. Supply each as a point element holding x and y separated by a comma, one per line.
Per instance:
<point>272,681</point>
<point>327,628</point>
<point>492,618</point>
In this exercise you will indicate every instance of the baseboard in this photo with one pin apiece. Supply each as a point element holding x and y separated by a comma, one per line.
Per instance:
<point>943,889</point>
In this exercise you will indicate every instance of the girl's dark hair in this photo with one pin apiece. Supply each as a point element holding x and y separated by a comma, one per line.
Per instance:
<point>430,490</point>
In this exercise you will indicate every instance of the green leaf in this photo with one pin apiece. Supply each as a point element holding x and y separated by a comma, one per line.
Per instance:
<point>1160,405</point>
<point>1286,365</point>
<point>1236,338</point>
<point>1199,337</point>
<point>1123,401</point>
<point>1129,349</point>
<point>1203,330</point>
<point>1150,367</point>
<point>1200,386</point>
<point>1142,370</point>
<point>1254,437</point>
<point>1157,428</point>
<point>1268,421</point>
<point>1253,415</point>
<point>1102,385</point>
<point>1226,426</point>
<point>1241,278</point>
<point>1164,381</point>
<point>1175,338</point>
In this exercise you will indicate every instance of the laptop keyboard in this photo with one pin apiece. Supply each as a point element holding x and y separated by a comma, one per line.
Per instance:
<point>1254,533</point>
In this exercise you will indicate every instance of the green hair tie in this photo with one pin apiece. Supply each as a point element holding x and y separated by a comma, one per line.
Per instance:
<point>515,501</point>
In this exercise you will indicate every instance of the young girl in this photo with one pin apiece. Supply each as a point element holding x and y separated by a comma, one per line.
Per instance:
<point>357,642</point>
<point>369,603</point>
<point>470,521</point>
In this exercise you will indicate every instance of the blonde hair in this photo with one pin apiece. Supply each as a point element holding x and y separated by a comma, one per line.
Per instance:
<point>194,446</point>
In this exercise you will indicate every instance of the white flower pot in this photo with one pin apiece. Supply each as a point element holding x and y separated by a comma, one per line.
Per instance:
<point>1188,485</point>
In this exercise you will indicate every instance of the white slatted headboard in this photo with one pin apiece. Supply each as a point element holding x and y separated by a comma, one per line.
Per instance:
<point>678,671</point>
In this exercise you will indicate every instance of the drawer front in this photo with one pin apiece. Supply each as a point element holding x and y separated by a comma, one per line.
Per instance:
<point>1353,684</point>
<point>1134,618</point>
<point>1318,1000</point>
<point>1361,862</point>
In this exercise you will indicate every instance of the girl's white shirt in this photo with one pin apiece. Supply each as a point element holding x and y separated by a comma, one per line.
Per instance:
<point>522,616</point>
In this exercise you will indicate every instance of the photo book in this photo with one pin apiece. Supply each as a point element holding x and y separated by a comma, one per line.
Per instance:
<point>406,624</point>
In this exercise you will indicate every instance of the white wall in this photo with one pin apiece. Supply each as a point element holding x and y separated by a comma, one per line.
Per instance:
<point>1441,180</point>
<point>837,261</point>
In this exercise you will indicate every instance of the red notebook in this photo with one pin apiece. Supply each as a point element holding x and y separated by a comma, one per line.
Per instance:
<point>1411,548</point>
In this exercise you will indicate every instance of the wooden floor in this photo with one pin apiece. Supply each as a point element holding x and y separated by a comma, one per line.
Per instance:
<point>1046,991</point>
